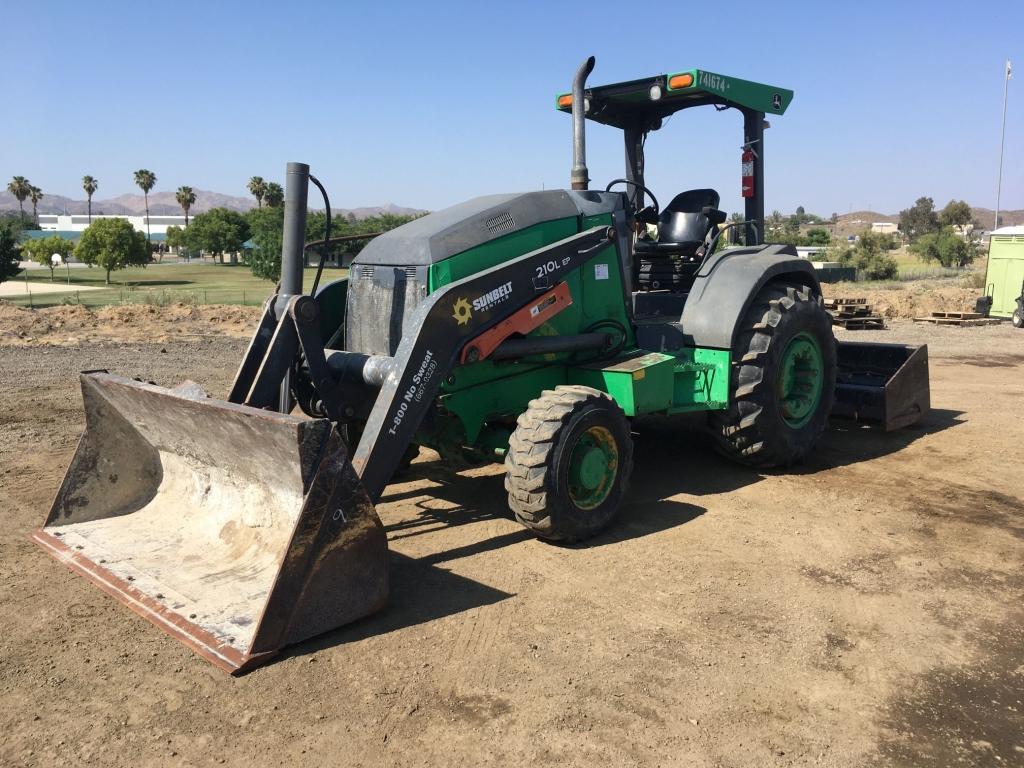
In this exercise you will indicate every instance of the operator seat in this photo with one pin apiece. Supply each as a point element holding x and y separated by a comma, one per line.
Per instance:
<point>682,225</point>
<point>672,261</point>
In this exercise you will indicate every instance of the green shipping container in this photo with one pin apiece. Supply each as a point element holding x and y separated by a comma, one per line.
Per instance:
<point>1005,275</point>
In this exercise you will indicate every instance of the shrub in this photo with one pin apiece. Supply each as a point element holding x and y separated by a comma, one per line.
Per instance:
<point>945,247</point>
<point>974,280</point>
<point>870,255</point>
<point>818,236</point>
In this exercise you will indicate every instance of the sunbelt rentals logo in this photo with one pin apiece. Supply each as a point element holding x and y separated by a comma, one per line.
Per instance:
<point>463,314</point>
<point>463,310</point>
<point>489,299</point>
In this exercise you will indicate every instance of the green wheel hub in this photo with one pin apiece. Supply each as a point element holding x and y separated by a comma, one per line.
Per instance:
<point>800,380</point>
<point>593,465</point>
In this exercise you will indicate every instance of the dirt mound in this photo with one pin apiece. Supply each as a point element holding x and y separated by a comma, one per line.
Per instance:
<point>916,299</point>
<point>74,324</point>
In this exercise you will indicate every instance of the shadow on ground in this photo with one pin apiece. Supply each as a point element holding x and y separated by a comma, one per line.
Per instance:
<point>671,458</point>
<point>420,592</point>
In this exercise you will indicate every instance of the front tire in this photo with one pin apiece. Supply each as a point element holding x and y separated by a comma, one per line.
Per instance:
<point>782,379</point>
<point>568,464</point>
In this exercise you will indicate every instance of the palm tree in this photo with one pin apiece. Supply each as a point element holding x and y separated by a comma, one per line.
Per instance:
<point>258,188</point>
<point>185,197</point>
<point>274,194</point>
<point>20,188</point>
<point>35,194</point>
<point>145,180</point>
<point>90,185</point>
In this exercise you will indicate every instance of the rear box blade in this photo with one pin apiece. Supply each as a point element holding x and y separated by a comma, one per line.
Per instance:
<point>885,384</point>
<point>235,530</point>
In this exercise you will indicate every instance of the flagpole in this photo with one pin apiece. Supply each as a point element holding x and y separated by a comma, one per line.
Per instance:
<point>1002,140</point>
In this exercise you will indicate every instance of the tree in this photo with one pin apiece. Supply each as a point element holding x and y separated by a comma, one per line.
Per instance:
<point>145,180</point>
<point>19,187</point>
<point>274,194</point>
<point>258,187</point>
<point>791,228</point>
<point>957,213</point>
<point>35,194</point>
<point>10,231</point>
<point>920,219</point>
<point>818,236</point>
<point>19,222</point>
<point>90,185</point>
<point>266,226</point>
<point>945,247</point>
<point>41,250</point>
<point>185,197</point>
<point>870,255</point>
<point>800,213</point>
<point>112,244</point>
<point>218,231</point>
<point>176,237</point>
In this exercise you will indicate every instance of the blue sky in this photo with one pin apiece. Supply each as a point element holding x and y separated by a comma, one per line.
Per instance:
<point>426,104</point>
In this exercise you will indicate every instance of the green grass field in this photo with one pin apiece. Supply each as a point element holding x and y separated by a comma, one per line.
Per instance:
<point>912,268</point>
<point>205,283</point>
<point>159,284</point>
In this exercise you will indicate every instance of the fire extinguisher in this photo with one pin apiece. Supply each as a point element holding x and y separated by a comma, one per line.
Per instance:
<point>747,165</point>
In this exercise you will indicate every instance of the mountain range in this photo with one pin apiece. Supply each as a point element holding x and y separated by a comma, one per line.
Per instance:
<point>164,204</point>
<point>857,221</point>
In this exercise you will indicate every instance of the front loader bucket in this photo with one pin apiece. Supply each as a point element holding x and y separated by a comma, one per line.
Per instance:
<point>235,530</point>
<point>886,384</point>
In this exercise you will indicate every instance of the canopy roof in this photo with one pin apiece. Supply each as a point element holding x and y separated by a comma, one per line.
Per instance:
<point>642,103</point>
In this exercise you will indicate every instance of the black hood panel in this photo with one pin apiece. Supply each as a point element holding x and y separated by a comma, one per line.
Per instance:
<point>440,235</point>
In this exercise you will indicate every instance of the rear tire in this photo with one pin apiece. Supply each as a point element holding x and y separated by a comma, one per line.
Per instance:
<point>1018,317</point>
<point>568,464</point>
<point>782,379</point>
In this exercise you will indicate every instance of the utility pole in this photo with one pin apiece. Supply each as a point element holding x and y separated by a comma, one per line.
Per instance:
<point>1002,140</point>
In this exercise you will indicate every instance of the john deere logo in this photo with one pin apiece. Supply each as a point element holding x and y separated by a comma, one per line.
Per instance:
<point>776,101</point>
<point>463,312</point>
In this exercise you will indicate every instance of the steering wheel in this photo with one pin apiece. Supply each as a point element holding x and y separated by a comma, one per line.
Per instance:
<point>656,208</point>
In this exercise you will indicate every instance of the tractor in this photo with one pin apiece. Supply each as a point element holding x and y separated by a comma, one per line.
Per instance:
<point>528,329</point>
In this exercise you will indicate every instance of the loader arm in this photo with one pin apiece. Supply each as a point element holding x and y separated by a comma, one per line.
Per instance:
<point>439,329</point>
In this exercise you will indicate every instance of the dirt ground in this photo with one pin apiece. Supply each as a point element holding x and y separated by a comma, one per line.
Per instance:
<point>909,300</point>
<point>73,325</point>
<point>864,609</point>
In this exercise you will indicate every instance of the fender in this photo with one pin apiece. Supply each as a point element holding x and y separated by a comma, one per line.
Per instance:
<point>726,285</point>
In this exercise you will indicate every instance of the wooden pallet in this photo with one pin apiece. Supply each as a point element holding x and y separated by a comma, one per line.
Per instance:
<point>849,312</point>
<point>958,315</point>
<point>950,318</point>
<point>862,323</point>
<point>836,303</point>
<point>853,314</point>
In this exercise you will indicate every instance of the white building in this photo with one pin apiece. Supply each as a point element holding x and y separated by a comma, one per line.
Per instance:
<point>810,252</point>
<point>77,222</point>
<point>884,227</point>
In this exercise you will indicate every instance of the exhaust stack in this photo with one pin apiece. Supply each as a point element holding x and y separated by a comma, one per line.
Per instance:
<point>580,177</point>
<point>296,193</point>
